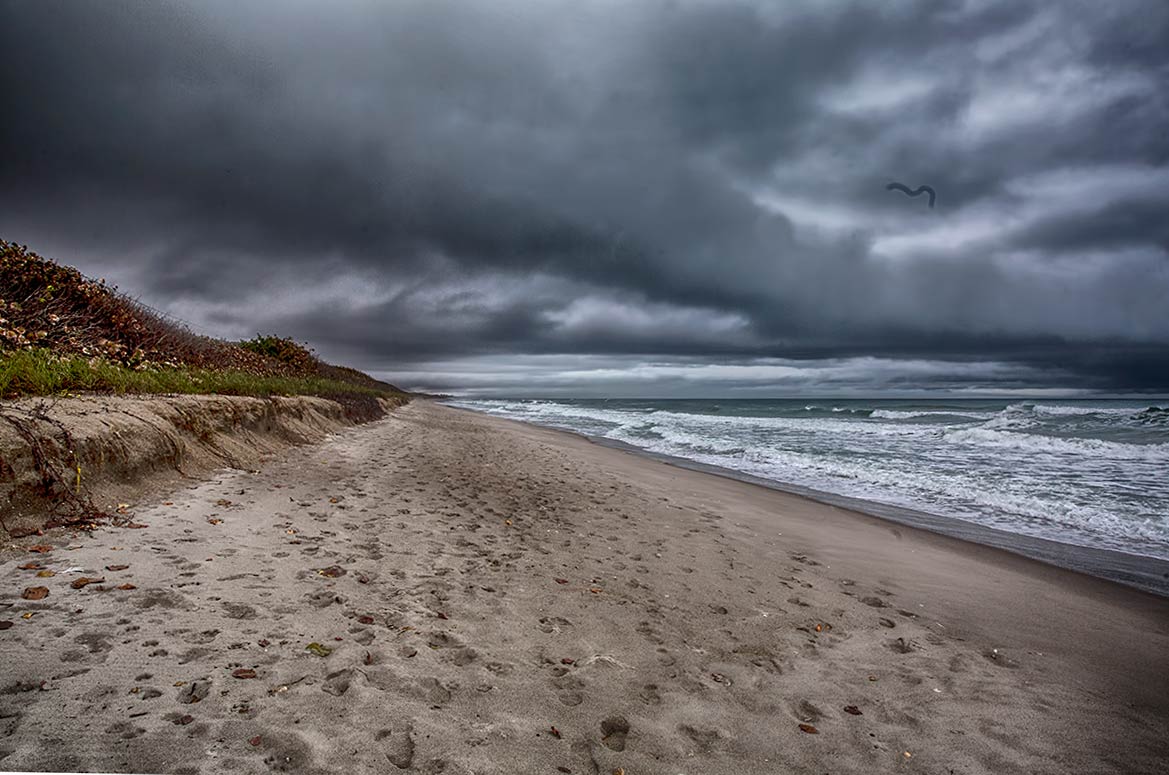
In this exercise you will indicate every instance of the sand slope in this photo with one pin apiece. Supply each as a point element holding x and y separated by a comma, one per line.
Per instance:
<point>494,598</point>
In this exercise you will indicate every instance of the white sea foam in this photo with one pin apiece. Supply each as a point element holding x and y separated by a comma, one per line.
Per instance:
<point>894,414</point>
<point>1054,445</point>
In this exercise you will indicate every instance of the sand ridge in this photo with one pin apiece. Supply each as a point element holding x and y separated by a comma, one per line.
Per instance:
<point>445,592</point>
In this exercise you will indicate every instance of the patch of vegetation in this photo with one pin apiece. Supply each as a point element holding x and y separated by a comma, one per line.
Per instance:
<point>299,357</point>
<point>46,305</point>
<point>39,371</point>
<point>61,331</point>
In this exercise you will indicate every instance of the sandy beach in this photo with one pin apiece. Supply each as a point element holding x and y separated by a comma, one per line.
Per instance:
<point>445,592</point>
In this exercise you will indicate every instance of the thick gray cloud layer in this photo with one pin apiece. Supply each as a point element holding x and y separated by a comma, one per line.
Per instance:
<point>485,194</point>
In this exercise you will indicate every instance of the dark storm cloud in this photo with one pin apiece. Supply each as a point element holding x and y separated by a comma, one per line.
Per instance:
<point>409,183</point>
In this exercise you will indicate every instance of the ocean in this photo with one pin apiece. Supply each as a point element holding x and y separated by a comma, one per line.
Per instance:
<point>1087,473</point>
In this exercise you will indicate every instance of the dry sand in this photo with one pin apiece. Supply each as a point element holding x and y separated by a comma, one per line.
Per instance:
<point>490,597</point>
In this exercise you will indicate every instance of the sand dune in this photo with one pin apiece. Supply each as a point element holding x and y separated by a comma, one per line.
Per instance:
<point>445,592</point>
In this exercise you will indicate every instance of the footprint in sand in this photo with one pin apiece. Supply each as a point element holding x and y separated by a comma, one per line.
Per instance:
<point>570,698</point>
<point>902,646</point>
<point>125,730</point>
<point>239,611</point>
<point>705,740</point>
<point>337,683</point>
<point>398,745</point>
<point>614,732</point>
<point>433,691</point>
<point>807,712</point>
<point>464,656</point>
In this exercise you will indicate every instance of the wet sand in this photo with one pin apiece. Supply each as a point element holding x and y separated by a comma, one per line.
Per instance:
<point>446,592</point>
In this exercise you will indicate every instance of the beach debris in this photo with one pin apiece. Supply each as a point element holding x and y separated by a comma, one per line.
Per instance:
<point>85,581</point>
<point>28,615</point>
<point>5,625</point>
<point>223,503</point>
<point>367,659</point>
<point>332,572</point>
<point>562,768</point>
<point>365,619</point>
<point>40,548</point>
<point>362,578</point>
<point>262,643</point>
<point>46,574</point>
<point>567,661</point>
<point>872,677</point>
<point>853,710</point>
<point>507,522</point>
<point>561,581</point>
<point>35,593</point>
<point>318,649</point>
<point>255,740</point>
<point>126,587</point>
<point>184,720</point>
<point>809,729</point>
<point>214,521</point>
<point>555,732</point>
<point>243,672</point>
<point>719,678</point>
<point>30,566</point>
<point>596,590</point>
<point>116,567</point>
<point>619,771</point>
<point>907,754</point>
<point>441,615</point>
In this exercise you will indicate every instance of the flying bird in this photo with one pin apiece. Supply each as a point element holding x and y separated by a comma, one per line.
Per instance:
<point>920,190</point>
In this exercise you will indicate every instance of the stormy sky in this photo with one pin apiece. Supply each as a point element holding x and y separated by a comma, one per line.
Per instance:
<point>617,198</point>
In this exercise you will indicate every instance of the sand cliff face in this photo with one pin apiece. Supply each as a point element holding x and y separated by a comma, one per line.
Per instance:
<point>65,459</point>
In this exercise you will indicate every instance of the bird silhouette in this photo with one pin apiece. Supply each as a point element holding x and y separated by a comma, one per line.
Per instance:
<point>910,192</point>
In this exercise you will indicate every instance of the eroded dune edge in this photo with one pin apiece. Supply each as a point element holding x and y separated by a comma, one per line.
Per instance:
<point>67,459</point>
<point>441,591</point>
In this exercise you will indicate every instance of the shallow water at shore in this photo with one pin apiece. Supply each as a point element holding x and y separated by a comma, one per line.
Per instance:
<point>1087,473</point>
